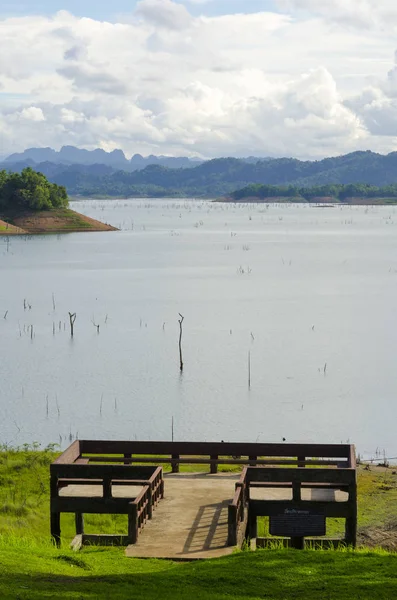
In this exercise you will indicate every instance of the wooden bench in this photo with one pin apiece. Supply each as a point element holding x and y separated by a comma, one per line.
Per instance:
<point>81,488</point>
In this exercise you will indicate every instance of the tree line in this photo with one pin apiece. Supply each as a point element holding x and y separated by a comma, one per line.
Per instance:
<point>30,190</point>
<point>221,176</point>
<point>338,192</point>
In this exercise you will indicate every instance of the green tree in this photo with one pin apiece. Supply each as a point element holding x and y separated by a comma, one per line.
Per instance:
<point>30,190</point>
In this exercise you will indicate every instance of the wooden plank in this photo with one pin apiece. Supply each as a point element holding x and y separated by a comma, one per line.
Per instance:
<point>287,475</point>
<point>220,448</point>
<point>92,505</point>
<point>65,482</point>
<point>203,460</point>
<point>70,454</point>
<point>313,486</point>
<point>73,471</point>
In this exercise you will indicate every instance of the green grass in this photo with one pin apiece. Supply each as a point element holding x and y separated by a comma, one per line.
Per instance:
<point>24,498</point>
<point>31,568</point>
<point>73,218</point>
<point>33,571</point>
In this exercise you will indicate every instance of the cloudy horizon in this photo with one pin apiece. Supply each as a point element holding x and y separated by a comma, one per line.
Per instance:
<point>204,78</point>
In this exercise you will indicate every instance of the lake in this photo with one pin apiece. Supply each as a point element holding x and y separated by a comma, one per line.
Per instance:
<point>309,293</point>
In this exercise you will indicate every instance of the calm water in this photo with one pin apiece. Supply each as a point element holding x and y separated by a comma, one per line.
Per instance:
<point>310,292</point>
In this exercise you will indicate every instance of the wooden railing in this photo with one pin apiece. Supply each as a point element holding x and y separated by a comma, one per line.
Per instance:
<point>95,458</point>
<point>343,479</point>
<point>138,509</point>
<point>141,510</point>
<point>236,510</point>
<point>142,506</point>
<point>216,453</point>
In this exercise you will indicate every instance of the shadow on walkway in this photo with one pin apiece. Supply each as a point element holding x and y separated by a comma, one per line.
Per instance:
<point>209,528</point>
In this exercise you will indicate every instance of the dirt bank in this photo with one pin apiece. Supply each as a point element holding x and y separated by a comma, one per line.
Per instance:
<point>8,229</point>
<point>50,221</point>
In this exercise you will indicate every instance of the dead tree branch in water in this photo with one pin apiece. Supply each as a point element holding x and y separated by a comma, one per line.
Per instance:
<point>72,319</point>
<point>180,321</point>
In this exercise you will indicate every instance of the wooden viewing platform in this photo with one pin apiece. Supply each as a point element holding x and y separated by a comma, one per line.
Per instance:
<point>184,516</point>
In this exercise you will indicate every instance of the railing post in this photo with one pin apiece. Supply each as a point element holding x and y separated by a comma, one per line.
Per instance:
<point>107,487</point>
<point>126,456</point>
<point>242,503</point>
<point>214,465</point>
<point>55,517</point>
<point>301,461</point>
<point>232,525</point>
<point>240,512</point>
<point>150,502</point>
<point>296,491</point>
<point>251,459</point>
<point>351,521</point>
<point>252,525</point>
<point>162,488</point>
<point>79,520</point>
<point>175,463</point>
<point>133,523</point>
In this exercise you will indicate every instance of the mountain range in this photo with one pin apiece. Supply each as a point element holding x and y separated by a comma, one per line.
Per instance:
<point>211,178</point>
<point>70,155</point>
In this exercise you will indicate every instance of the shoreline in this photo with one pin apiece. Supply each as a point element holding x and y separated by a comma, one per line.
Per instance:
<point>57,221</point>
<point>320,201</point>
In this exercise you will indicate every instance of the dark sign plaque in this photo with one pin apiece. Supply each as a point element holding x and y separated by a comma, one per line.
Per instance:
<point>297,523</point>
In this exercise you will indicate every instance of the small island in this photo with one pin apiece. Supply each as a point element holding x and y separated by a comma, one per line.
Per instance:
<point>30,204</point>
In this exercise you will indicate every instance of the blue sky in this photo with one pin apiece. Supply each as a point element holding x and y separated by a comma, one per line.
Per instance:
<point>103,9</point>
<point>304,78</point>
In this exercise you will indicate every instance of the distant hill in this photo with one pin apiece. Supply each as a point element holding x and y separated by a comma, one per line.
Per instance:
<point>350,193</point>
<point>218,177</point>
<point>70,155</point>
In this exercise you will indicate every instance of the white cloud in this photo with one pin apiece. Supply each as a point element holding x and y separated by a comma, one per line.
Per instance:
<point>167,82</point>
<point>32,113</point>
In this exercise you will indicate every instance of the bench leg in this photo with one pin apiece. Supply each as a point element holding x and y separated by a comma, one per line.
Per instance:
<point>252,525</point>
<point>79,519</point>
<point>351,531</point>
<point>133,524</point>
<point>56,528</point>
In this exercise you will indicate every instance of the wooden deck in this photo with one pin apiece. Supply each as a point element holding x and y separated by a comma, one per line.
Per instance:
<point>188,516</point>
<point>190,522</point>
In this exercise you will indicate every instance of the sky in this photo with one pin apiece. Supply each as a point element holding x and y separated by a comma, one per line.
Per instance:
<point>207,78</point>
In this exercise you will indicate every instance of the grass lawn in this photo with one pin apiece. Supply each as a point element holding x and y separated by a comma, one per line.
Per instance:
<point>31,568</point>
<point>33,572</point>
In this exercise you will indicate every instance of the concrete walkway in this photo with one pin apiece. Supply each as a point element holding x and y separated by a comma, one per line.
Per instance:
<point>191,521</point>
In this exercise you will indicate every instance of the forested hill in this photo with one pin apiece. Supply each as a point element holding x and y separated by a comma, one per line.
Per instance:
<point>330,192</point>
<point>219,177</point>
<point>30,191</point>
